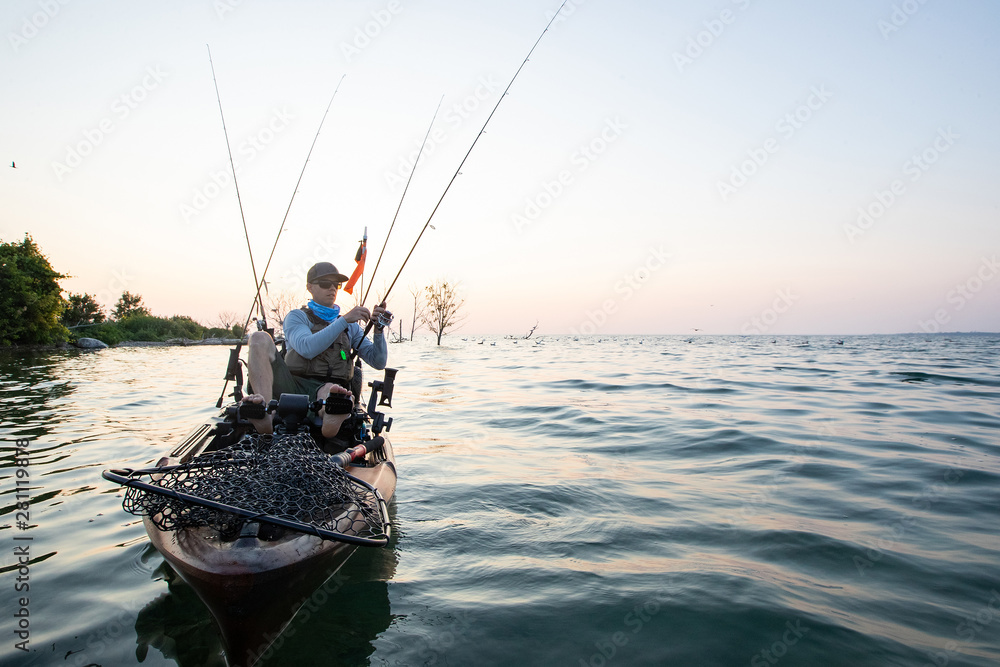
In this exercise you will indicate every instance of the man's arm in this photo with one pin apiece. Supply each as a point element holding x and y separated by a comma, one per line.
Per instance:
<point>374,352</point>
<point>299,335</point>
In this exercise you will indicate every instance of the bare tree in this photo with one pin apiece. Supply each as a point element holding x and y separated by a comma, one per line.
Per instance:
<point>419,310</point>
<point>397,337</point>
<point>228,319</point>
<point>443,306</point>
<point>528,335</point>
<point>376,301</point>
<point>278,305</point>
<point>231,322</point>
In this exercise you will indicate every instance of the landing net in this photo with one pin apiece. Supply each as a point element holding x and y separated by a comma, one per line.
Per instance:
<point>284,480</point>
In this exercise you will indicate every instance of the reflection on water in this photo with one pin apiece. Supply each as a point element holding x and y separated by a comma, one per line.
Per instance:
<point>31,391</point>
<point>700,498</point>
<point>177,625</point>
<point>337,622</point>
<point>339,627</point>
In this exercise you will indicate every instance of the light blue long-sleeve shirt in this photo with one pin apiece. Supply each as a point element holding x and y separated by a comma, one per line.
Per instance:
<point>299,336</point>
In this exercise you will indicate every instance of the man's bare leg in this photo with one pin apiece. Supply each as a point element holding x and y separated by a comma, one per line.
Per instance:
<point>262,353</point>
<point>332,423</point>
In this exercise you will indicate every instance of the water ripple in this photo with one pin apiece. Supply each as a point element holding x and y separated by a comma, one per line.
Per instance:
<point>705,497</point>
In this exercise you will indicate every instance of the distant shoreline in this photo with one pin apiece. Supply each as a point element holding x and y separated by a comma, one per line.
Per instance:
<point>188,342</point>
<point>173,342</point>
<point>185,342</point>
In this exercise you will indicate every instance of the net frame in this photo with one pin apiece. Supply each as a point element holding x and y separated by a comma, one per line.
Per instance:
<point>283,480</point>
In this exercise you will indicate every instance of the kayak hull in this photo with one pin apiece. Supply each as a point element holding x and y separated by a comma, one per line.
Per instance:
<point>255,584</point>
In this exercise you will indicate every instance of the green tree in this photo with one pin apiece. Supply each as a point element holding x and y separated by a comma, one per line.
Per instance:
<point>30,296</point>
<point>442,308</point>
<point>82,309</point>
<point>129,304</point>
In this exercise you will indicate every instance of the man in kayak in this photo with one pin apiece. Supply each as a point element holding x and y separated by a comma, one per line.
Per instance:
<point>320,340</point>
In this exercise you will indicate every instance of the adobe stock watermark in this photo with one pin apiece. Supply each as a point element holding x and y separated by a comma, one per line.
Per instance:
<point>103,639</point>
<point>632,624</point>
<point>778,649</point>
<point>787,126</point>
<point>246,151</point>
<point>626,288</point>
<point>970,627</point>
<point>768,317</point>
<point>467,446</point>
<point>913,170</point>
<point>303,610</point>
<point>757,502</point>
<point>121,108</point>
<point>32,25</point>
<point>581,159</point>
<point>119,282</point>
<point>223,7</point>
<point>446,639</point>
<point>895,530</point>
<point>703,40</point>
<point>454,116</point>
<point>324,250</point>
<point>900,16</point>
<point>364,35</point>
<point>22,543</point>
<point>961,294</point>
<point>567,11</point>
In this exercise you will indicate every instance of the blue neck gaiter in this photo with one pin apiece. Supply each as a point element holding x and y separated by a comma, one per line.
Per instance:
<point>324,313</point>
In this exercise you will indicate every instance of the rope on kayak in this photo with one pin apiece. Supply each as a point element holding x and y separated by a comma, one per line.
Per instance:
<point>282,480</point>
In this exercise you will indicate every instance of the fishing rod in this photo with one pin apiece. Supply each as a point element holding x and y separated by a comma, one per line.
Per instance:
<point>362,252</point>
<point>246,233</point>
<point>233,370</point>
<point>294,192</point>
<point>371,323</point>
<point>371,279</point>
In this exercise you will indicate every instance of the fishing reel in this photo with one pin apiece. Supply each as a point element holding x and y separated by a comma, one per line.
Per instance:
<point>383,320</point>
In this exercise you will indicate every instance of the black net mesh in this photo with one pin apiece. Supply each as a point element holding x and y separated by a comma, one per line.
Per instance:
<point>287,477</point>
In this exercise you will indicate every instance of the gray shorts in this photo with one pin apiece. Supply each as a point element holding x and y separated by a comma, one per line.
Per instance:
<point>286,383</point>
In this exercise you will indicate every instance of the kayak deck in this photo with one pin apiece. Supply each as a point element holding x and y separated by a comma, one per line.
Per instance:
<point>254,583</point>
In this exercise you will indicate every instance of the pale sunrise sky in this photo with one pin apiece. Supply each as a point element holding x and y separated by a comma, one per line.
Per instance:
<point>731,166</point>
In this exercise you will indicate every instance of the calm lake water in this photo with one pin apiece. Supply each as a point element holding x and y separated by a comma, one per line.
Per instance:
<point>618,501</point>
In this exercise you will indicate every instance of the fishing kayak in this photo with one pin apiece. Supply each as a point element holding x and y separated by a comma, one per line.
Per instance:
<point>254,566</point>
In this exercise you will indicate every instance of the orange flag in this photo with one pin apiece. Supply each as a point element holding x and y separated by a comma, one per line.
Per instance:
<point>359,269</point>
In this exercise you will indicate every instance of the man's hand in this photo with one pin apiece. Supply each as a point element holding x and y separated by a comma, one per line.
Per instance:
<point>357,314</point>
<point>380,311</point>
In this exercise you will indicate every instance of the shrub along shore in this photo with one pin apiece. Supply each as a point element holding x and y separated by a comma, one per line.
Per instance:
<point>37,315</point>
<point>82,344</point>
<point>151,329</point>
<point>184,342</point>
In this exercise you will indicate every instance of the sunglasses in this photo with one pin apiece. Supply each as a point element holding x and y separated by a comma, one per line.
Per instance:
<point>327,284</point>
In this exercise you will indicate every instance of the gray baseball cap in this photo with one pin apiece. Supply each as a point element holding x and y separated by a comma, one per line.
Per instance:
<point>325,270</point>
